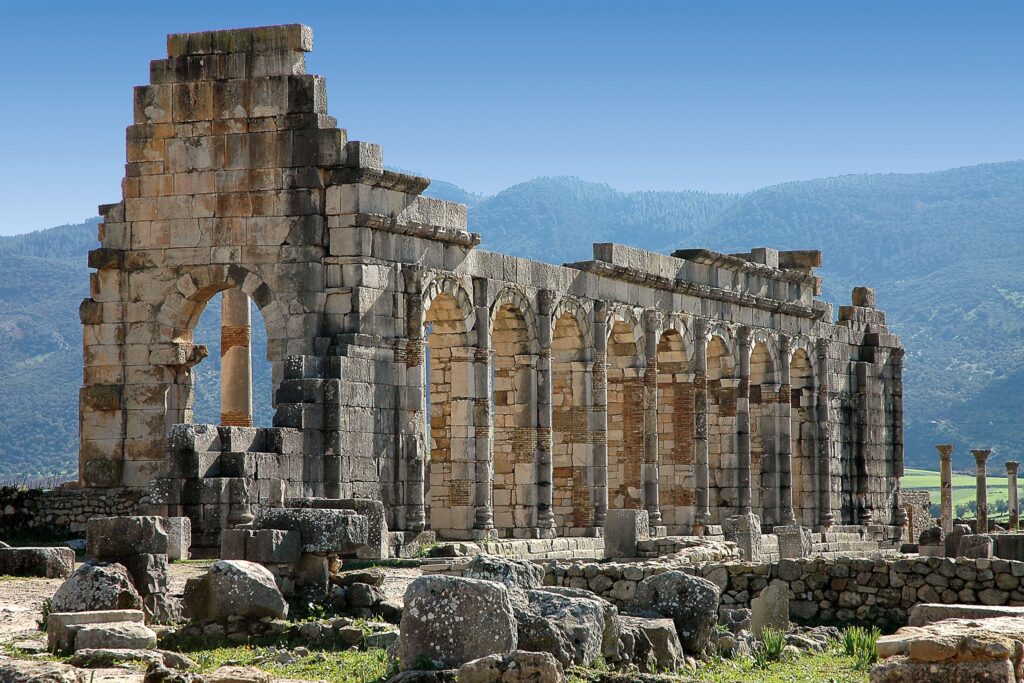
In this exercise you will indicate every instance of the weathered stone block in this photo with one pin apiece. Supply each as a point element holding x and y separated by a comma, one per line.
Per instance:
<point>114,537</point>
<point>622,530</point>
<point>50,563</point>
<point>61,627</point>
<point>321,531</point>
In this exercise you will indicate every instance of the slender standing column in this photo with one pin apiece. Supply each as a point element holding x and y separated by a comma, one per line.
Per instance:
<point>545,471</point>
<point>825,516</point>
<point>235,359</point>
<point>600,412</point>
<point>701,475</point>
<point>946,486</point>
<point>484,514</point>
<point>787,516</point>
<point>1011,488</point>
<point>652,322</point>
<point>413,430</point>
<point>981,489</point>
<point>743,421</point>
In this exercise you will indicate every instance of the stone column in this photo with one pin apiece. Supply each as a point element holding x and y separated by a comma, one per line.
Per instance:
<point>825,516</point>
<point>981,490</point>
<point>484,513</point>
<point>701,475</point>
<point>235,359</point>
<point>743,421</point>
<point>413,430</point>
<point>1011,488</point>
<point>649,472</point>
<point>946,486</point>
<point>545,472</point>
<point>785,404</point>
<point>599,414</point>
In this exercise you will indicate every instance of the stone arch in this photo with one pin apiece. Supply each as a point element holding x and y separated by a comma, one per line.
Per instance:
<point>449,398</point>
<point>721,425</point>
<point>803,433</point>
<point>514,345</point>
<point>764,429</point>
<point>676,323</point>
<point>675,430</point>
<point>571,448</point>
<point>625,387</point>
<point>572,307</point>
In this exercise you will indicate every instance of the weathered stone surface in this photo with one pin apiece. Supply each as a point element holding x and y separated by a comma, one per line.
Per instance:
<point>179,537</point>
<point>579,621</point>
<point>127,635</point>
<point>450,621</point>
<point>109,657</point>
<point>932,536</point>
<point>521,574</point>
<point>50,563</point>
<point>61,627</point>
<point>97,586</point>
<point>115,537</point>
<point>905,670</point>
<point>929,613</point>
<point>238,674</point>
<point>770,609</point>
<point>976,546</point>
<point>663,640</point>
<point>691,602</point>
<point>321,530</point>
<point>954,537</point>
<point>622,530</point>
<point>372,577</point>
<point>515,667</point>
<point>234,588</point>
<point>21,671</point>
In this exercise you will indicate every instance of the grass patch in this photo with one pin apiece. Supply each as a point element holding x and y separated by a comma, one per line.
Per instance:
<point>832,666</point>
<point>338,666</point>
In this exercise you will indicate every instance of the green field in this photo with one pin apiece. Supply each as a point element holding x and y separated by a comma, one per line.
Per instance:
<point>963,488</point>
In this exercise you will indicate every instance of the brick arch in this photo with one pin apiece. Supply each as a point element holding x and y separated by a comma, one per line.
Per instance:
<point>676,323</point>
<point>516,298</point>
<point>803,343</point>
<point>770,344</point>
<point>574,308</point>
<point>626,315</point>
<point>446,284</point>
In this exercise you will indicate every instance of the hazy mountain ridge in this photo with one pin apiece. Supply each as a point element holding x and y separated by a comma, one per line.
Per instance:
<point>943,249</point>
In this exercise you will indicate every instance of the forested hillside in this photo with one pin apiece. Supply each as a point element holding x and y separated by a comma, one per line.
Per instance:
<point>943,249</point>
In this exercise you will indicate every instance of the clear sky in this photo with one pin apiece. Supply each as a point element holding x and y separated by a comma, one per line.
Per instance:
<point>718,96</point>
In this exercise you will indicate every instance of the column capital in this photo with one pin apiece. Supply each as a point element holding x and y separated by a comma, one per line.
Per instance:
<point>601,311</point>
<point>945,450</point>
<point>743,336</point>
<point>546,301</point>
<point>1011,467</point>
<point>821,346</point>
<point>981,455</point>
<point>785,344</point>
<point>701,329</point>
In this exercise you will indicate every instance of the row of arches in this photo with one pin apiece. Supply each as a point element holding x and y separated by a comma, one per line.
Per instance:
<point>487,391</point>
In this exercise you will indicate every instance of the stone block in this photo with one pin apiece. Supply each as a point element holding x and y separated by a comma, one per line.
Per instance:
<point>745,532</point>
<point>50,563</point>
<point>622,530</point>
<point>112,537</point>
<point>273,546</point>
<point>321,531</point>
<point>377,546</point>
<point>179,537</point>
<point>929,613</point>
<point>795,541</point>
<point>975,546</point>
<point>122,635</point>
<point>61,627</point>
<point>770,609</point>
<point>148,571</point>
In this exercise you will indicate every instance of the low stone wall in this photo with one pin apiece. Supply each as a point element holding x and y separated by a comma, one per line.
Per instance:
<point>26,511</point>
<point>563,548</point>
<point>881,591</point>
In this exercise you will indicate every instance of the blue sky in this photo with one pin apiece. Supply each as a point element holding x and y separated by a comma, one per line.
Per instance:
<point>723,96</point>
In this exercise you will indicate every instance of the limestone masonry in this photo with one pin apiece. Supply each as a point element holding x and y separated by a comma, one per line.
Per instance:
<point>476,395</point>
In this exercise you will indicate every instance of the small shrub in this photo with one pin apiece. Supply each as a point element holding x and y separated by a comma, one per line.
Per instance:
<point>861,644</point>
<point>770,648</point>
<point>47,608</point>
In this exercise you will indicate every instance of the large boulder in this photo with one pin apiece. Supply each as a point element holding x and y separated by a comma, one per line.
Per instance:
<point>610,633</point>
<point>513,573</point>
<point>448,621</point>
<point>690,601</point>
<point>656,645</point>
<point>575,626</point>
<point>234,588</point>
<point>97,586</point>
<point>514,667</point>
<point>51,563</point>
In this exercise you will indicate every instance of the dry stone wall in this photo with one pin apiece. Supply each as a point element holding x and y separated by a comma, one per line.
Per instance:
<point>28,512</point>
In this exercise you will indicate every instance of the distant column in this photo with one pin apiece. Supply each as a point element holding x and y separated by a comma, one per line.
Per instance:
<point>946,485</point>
<point>825,516</point>
<point>545,471</point>
<point>743,422</point>
<point>981,493</point>
<point>701,475</point>
<point>235,359</point>
<point>484,513</point>
<point>785,405</point>
<point>651,459</point>
<point>1011,487</point>
<point>600,412</point>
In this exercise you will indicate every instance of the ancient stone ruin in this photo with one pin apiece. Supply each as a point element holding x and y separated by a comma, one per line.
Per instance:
<point>476,395</point>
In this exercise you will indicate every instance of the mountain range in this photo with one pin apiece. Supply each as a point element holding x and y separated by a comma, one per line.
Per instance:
<point>943,249</point>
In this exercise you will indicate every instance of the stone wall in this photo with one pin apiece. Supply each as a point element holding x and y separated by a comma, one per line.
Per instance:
<point>60,511</point>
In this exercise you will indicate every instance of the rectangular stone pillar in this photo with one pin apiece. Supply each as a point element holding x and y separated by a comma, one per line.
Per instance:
<point>484,512</point>
<point>1011,488</point>
<point>701,475</point>
<point>981,488</point>
<point>946,486</point>
<point>544,464</point>
<point>743,422</point>
<point>825,516</point>
<point>786,514</point>
<point>599,415</point>
<point>650,474</point>
<point>235,359</point>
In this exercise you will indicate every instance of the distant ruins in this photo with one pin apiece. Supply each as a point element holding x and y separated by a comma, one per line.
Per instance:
<point>476,395</point>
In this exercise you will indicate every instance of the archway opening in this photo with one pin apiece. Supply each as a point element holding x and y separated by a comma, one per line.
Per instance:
<point>764,466</point>
<point>625,419</point>
<point>449,410</point>
<point>675,433</point>
<point>803,431</point>
<point>513,416</point>
<point>571,452</point>
<point>722,462</point>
